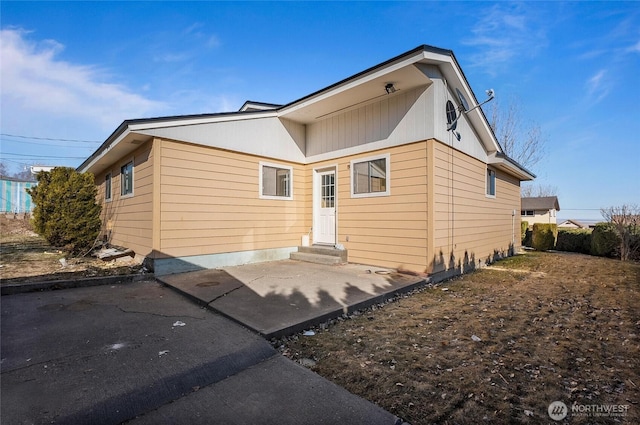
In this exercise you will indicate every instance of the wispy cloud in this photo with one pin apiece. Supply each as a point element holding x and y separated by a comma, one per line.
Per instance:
<point>635,48</point>
<point>36,83</point>
<point>186,45</point>
<point>202,102</point>
<point>213,42</point>
<point>171,57</point>
<point>616,43</point>
<point>193,28</point>
<point>196,31</point>
<point>598,86</point>
<point>507,31</point>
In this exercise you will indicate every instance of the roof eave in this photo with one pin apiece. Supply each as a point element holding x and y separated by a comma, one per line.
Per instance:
<point>509,165</point>
<point>411,53</point>
<point>131,126</point>
<point>368,85</point>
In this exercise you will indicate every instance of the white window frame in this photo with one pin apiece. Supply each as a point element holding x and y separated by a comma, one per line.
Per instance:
<point>263,164</point>
<point>524,213</point>
<point>130,194</point>
<point>387,191</point>
<point>490,174</point>
<point>108,177</point>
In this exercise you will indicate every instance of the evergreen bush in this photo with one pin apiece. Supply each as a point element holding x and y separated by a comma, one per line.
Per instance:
<point>605,240</point>
<point>635,244</point>
<point>544,236</point>
<point>574,240</point>
<point>66,213</point>
<point>524,225</point>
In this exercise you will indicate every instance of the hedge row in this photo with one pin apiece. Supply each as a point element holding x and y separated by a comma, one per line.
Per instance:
<point>544,236</point>
<point>603,240</point>
<point>574,240</point>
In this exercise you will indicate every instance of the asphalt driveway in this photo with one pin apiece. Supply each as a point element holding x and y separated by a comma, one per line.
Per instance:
<point>141,353</point>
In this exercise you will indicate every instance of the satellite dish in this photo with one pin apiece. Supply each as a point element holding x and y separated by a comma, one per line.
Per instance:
<point>463,101</point>
<point>451,116</point>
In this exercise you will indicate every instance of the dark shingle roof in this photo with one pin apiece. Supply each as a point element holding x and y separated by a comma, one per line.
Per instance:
<point>540,203</point>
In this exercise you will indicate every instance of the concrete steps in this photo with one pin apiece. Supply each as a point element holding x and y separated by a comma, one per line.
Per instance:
<point>320,255</point>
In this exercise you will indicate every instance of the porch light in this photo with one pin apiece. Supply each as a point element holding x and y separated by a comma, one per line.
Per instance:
<point>390,88</point>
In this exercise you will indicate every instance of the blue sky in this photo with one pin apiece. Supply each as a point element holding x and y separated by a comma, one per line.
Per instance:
<point>76,70</point>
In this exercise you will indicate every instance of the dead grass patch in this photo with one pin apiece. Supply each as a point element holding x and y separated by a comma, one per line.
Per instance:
<point>27,257</point>
<point>552,327</point>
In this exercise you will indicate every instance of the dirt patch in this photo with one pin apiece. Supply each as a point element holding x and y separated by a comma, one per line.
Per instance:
<point>26,257</point>
<point>497,346</point>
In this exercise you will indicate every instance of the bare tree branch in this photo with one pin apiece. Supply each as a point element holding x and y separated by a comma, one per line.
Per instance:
<point>535,190</point>
<point>3,170</point>
<point>626,220</point>
<point>522,141</point>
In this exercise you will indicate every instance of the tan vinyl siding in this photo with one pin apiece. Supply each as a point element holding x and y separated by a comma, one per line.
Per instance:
<point>467,223</point>
<point>209,203</point>
<point>387,231</point>
<point>127,221</point>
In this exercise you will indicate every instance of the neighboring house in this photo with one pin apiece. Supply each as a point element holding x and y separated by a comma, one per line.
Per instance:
<point>13,195</point>
<point>572,224</point>
<point>543,209</point>
<point>367,164</point>
<point>35,169</point>
<point>579,224</point>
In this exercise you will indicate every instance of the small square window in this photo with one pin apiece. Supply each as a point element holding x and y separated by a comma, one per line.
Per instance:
<point>491,183</point>
<point>107,187</point>
<point>370,177</point>
<point>276,181</point>
<point>126,179</point>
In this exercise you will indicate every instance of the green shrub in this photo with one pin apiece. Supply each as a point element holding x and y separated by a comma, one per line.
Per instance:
<point>544,236</point>
<point>574,240</point>
<point>524,225</point>
<point>66,213</point>
<point>635,244</point>
<point>605,240</point>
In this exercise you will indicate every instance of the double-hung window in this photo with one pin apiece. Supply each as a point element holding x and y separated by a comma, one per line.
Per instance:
<point>107,187</point>
<point>126,179</point>
<point>527,213</point>
<point>276,181</point>
<point>370,176</point>
<point>491,183</point>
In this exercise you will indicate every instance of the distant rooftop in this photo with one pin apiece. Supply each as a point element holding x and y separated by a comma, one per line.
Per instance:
<point>540,203</point>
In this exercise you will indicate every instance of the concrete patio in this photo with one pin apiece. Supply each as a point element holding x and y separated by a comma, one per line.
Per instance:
<point>281,298</point>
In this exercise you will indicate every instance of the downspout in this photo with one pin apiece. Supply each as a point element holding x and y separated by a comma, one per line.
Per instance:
<point>513,232</point>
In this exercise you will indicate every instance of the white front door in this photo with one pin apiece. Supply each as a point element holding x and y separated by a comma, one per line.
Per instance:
<point>324,229</point>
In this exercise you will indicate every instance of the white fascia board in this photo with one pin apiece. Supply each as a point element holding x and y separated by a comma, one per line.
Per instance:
<point>105,151</point>
<point>200,120</point>
<point>510,166</point>
<point>476,116</point>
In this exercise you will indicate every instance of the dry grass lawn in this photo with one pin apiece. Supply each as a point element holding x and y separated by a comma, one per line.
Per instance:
<point>552,326</point>
<point>27,257</point>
